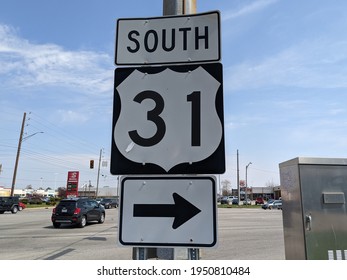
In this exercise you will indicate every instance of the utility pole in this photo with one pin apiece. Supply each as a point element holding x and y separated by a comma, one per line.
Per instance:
<point>18,152</point>
<point>238,177</point>
<point>246,182</point>
<point>97,180</point>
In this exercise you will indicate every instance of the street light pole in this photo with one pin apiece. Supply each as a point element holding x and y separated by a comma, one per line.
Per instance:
<point>238,179</point>
<point>246,181</point>
<point>97,180</point>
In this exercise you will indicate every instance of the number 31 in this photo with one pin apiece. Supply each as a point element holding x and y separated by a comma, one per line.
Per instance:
<point>154,116</point>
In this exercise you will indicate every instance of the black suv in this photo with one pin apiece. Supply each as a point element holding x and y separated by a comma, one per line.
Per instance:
<point>77,211</point>
<point>109,202</point>
<point>9,203</point>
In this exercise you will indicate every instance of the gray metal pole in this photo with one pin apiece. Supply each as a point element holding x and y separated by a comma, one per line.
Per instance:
<point>246,182</point>
<point>17,157</point>
<point>172,7</point>
<point>179,7</point>
<point>238,178</point>
<point>189,6</point>
<point>97,180</point>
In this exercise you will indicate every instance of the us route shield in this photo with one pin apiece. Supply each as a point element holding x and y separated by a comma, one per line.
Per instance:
<point>168,120</point>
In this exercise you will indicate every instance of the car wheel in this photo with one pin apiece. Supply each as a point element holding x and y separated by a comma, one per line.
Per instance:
<point>2,212</point>
<point>14,210</point>
<point>102,218</point>
<point>56,225</point>
<point>83,222</point>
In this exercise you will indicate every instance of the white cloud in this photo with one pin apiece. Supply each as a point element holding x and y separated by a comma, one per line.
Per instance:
<point>68,116</point>
<point>317,63</point>
<point>35,65</point>
<point>246,10</point>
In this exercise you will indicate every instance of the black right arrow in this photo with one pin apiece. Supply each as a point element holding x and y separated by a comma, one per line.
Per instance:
<point>182,210</point>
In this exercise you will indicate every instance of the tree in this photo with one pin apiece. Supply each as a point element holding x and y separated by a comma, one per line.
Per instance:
<point>270,184</point>
<point>226,187</point>
<point>61,192</point>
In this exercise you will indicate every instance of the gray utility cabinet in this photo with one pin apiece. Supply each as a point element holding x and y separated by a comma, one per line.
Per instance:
<point>314,192</point>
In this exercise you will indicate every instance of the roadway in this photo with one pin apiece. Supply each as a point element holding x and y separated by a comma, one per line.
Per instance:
<point>243,234</point>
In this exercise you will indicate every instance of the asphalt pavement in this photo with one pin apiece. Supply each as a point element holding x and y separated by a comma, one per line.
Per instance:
<point>243,234</point>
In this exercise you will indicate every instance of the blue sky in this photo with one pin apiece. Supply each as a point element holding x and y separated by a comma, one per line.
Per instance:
<point>285,77</point>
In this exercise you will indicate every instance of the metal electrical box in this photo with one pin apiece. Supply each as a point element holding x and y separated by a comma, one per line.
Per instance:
<point>314,192</point>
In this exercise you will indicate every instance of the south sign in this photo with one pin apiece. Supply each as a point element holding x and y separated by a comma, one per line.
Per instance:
<point>168,120</point>
<point>171,39</point>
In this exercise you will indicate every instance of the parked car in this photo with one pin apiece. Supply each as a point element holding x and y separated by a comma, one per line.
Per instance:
<point>9,203</point>
<point>46,199</point>
<point>77,211</point>
<point>266,204</point>
<point>235,201</point>
<point>259,201</point>
<point>21,206</point>
<point>272,204</point>
<point>35,200</point>
<point>109,203</point>
<point>227,199</point>
<point>247,202</point>
<point>277,204</point>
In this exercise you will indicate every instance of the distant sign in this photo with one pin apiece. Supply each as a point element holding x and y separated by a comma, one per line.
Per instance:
<point>170,39</point>
<point>168,211</point>
<point>72,183</point>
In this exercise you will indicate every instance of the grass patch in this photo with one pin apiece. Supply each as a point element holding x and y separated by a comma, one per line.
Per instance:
<point>43,205</point>
<point>237,206</point>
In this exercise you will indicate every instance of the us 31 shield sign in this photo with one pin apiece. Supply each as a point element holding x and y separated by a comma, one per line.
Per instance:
<point>168,120</point>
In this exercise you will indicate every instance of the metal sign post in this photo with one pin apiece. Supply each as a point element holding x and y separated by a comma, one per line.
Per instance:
<point>155,148</point>
<point>189,7</point>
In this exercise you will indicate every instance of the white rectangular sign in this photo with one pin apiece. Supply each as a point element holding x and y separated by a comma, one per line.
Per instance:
<point>169,39</point>
<point>168,211</point>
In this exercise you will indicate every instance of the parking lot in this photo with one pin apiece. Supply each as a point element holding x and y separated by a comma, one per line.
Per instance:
<point>243,234</point>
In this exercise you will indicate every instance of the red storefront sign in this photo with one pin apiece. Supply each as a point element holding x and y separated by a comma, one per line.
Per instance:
<point>72,183</point>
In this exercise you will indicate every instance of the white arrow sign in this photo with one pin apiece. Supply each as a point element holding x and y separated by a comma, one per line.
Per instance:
<point>168,211</point>
<point>168,118</point>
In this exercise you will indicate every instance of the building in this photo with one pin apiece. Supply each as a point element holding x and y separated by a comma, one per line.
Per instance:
<point>28,192</point>
<point>264,192</point>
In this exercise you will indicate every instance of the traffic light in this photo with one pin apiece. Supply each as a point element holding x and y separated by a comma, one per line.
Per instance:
<point>91,164</point>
